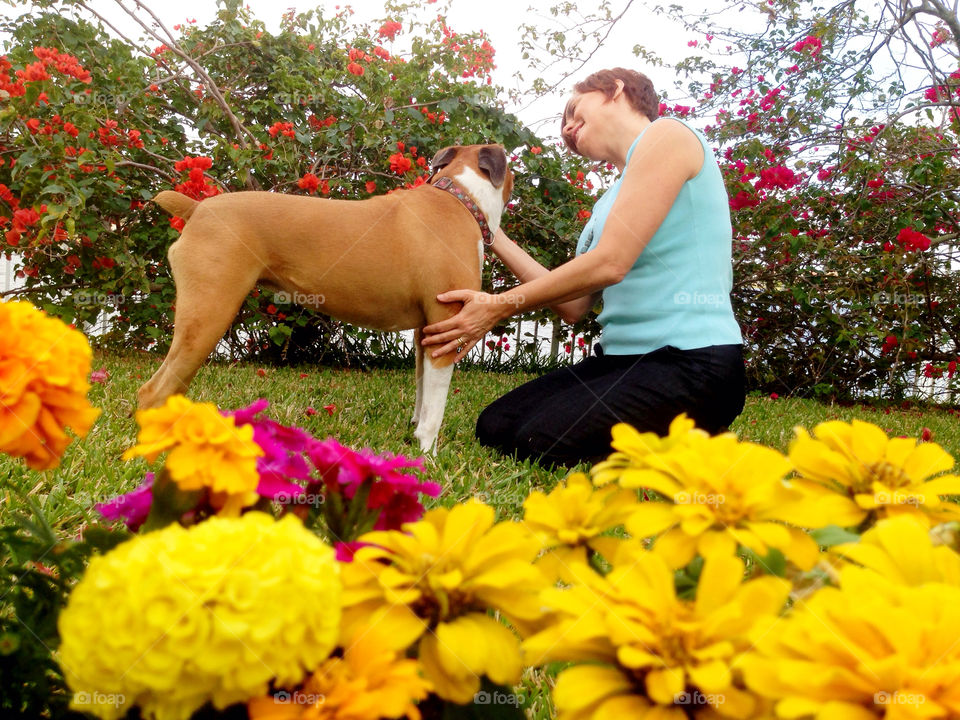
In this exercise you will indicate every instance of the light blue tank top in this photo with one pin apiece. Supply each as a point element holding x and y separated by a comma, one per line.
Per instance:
<point>678,291</point>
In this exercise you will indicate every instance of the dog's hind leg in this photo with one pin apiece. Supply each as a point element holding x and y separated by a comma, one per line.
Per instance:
<point>418,354</point>
<point>207,302</point>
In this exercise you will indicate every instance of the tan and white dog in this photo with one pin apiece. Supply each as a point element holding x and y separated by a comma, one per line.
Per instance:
<point>377,263</point>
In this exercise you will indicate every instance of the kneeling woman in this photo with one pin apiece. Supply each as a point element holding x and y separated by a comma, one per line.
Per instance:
<point>657,249</point>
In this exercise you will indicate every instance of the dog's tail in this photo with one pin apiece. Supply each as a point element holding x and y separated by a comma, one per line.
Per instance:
<point>176,203</point>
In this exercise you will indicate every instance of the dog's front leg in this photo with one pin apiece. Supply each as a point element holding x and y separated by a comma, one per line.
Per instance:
<point>418,354</point>
<point>436,384</point>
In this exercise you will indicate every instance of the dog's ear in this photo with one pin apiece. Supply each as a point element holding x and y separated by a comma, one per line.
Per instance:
<point>443,158</point>
<point>493,160</point>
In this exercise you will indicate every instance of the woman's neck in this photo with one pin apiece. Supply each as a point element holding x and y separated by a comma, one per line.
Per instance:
<point>632,126</point>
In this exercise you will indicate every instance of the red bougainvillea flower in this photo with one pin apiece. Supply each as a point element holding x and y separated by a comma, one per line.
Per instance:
<point>282,128</point>
<point>744,199</point>
<point>400,164</point>
<point>355,68</point>
<point>390,29</point>
<point>309,182</point>
<point>196,186</point>
<point>371,186</point>
<point>911,240</point>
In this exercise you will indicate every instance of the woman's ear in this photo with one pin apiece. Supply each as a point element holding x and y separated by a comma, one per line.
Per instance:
<point>619,91</point>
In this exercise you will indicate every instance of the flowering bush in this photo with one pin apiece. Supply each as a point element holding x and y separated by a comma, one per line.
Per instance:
<point>95,127</point>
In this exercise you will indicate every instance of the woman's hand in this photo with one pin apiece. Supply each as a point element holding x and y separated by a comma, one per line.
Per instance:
<point>480,312</point>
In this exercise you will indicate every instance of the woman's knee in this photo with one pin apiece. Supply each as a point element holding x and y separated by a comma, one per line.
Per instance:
<point>494,427</point>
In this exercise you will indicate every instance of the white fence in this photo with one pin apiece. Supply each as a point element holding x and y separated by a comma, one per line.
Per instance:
<point>8,280</point>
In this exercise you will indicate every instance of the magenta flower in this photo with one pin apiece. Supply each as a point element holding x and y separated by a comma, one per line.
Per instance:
<point>391,496</point>
<point>132,508</point>
<point>283,461</point>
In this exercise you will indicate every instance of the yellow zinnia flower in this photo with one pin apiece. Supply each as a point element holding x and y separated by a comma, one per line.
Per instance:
<point>179,617</point>
<point>665,657</point>
<point>44,365</point>
<point>632,448</point>
<point>876,476</point>
<point>721,493</point>
<point>207,450</point>
<point>370,681</point>
<point>869,649</point>
<point>573,518</point>
<point>901,549</point>
<point>435,582</point>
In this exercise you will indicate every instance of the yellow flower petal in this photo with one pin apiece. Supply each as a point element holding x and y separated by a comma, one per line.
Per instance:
<point>651,518</point>
<point>676,547</point>
<point>582,686</point>
<point>663,686</point>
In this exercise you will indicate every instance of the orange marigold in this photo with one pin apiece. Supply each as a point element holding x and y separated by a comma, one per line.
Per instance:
<point>44,364</point>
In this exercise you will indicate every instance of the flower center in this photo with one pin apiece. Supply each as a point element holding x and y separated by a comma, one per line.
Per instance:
<point>884,473</point>
<point>436,605</point>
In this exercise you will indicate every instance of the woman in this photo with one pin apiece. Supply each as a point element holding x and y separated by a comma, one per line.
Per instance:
<point>657,251</point>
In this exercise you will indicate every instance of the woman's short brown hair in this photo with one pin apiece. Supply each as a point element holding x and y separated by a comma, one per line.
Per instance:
<point>637,87</point>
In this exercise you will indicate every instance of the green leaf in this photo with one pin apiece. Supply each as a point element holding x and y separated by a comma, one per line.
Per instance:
<point>491,702</point>
<point>169,502</point>
<point>833,535</point>
<point>773,563</point>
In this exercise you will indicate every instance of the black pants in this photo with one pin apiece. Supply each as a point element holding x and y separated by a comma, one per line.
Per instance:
<point>565,417</point>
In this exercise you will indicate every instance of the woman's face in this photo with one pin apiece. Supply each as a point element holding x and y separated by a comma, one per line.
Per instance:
<point>583,122</point>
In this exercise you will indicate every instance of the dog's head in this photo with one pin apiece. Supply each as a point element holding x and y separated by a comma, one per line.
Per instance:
<point>464,163</point>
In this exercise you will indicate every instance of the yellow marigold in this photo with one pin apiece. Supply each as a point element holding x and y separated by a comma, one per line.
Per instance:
<point>573,518</point>
<point>721,493</point>
<point>434,584</point>
<point>872,648</point>
<point>368,682</point>
<point>664,658</point>
<point>874,475</point>
<point>44,365</point>
<point>176,618</point>
<point>207,450</point>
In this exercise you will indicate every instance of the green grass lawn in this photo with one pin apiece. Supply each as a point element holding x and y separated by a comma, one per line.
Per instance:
<point>372,409</point>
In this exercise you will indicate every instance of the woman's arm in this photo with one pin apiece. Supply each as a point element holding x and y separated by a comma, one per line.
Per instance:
<point>525,268</point>
<point>668,156</point>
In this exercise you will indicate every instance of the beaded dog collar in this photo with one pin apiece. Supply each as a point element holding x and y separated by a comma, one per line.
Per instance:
<point>446,183</point>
